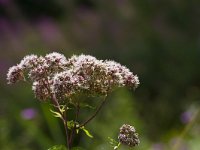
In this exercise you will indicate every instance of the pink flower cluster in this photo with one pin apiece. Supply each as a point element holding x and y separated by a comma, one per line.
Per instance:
<point>128,136</point>
<point>83,74</point>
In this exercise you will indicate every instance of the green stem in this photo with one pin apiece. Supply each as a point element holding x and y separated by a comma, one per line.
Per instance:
<point>96,112</point>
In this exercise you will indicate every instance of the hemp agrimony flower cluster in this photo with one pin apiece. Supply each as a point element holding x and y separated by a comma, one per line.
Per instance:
<point>61,81</point>
<point>54,74</point>
<point>128,135</point>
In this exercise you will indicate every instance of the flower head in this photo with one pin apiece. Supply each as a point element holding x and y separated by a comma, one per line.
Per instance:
<point>128,136</point>
<point>40,69</point>
<point>66,83</point>
<point>40,89</point>
<point>28,62</point>
<point>14,74</point>
<point>55,59</point>
<point>121,75</point>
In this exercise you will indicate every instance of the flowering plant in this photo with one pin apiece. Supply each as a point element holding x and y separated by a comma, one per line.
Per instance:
<point>62,81</point>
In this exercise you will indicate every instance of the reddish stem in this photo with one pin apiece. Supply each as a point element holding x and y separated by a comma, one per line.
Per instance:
<point>96,112</point>
<point>76,118</point>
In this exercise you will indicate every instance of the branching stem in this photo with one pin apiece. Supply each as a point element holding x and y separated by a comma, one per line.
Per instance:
<point>96,112</point>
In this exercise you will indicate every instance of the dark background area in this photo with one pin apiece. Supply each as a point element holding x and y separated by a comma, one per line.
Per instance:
<point>158,40</point>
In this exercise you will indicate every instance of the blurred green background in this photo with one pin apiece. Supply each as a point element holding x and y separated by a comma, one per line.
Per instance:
<point>158,40</point>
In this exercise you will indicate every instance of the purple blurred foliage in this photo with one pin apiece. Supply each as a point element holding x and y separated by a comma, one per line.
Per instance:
<point>5,2</point>
<point>158,146</point>
<point>186,117</point>
<point>49,30</point>
<point>4,25</point>
<point>7,28</point>
<point>28,113</point>
<point>10,35</point>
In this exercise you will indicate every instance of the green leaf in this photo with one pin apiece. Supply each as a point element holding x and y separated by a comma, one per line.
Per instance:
<point>87,105</point>
<point>77,131</point>
<point>114,143</point>
<point>87,132</point>
<point>62,108</point>
<point>58,147</point>
<point>70,124</point>
<point>56,114</point>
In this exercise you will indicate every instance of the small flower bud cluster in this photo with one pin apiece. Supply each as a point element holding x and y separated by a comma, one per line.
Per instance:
<point>121,74</point>
<point>83,74</point>
<point>28,62</point>
<point>56,61</point>
<point>15,74</point>
<point>128,136</point>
